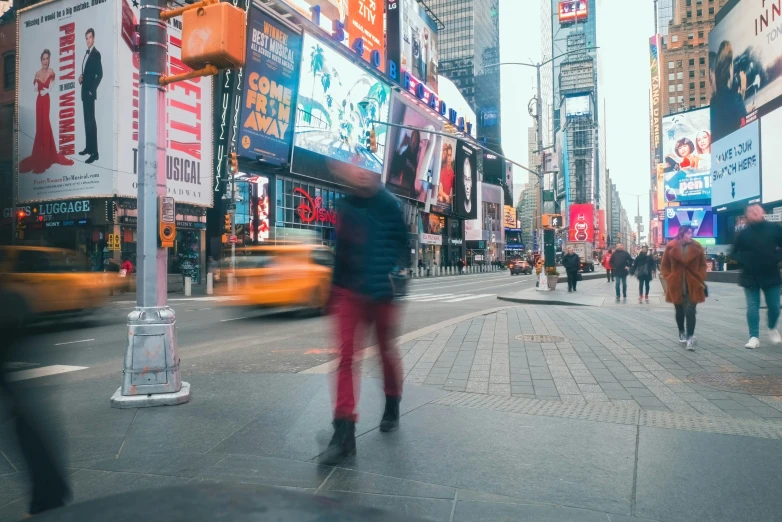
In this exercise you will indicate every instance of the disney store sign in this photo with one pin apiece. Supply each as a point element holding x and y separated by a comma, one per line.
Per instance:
<point>311,209</point>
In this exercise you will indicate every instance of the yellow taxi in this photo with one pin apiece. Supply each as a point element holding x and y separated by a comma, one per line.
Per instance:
<point>42,281</point>
<point>282,276</point>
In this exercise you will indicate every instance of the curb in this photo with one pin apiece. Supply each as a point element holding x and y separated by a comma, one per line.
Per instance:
<point>539,302</point>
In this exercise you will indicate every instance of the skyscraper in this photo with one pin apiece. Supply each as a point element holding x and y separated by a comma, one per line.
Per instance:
<point>469,41</point>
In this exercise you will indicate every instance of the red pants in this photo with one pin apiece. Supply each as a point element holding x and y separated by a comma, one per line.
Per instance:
<point>351,311</point>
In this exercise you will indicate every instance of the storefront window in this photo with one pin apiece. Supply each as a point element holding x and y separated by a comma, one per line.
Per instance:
<point>303,206</point>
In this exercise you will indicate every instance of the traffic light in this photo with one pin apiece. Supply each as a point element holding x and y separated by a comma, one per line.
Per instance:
<point>372,140</point>
<point>552,221</point>
<point>233,163</point>
<point>227,225</point>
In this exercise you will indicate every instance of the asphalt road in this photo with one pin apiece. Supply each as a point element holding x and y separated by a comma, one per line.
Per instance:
<point>215,338</point>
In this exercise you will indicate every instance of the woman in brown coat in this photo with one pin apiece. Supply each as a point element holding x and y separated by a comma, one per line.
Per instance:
<point>684,269</point>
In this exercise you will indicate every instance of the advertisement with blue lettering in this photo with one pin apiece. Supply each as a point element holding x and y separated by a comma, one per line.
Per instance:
<point>686,146</point>
<point>271,73</point>
<point>735,169</point>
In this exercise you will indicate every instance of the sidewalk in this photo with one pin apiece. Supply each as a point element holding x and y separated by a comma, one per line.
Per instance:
<point>522,413</point>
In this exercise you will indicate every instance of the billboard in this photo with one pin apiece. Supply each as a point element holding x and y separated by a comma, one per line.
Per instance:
<point>702,219</point>
<point>493,168</point>
<point>414,154</point>
<point>686,148</point>
<point>412,42</point>
<point>654,105</point>
<point>466,195</point>
<point>446,176</point>
<point>572,11</point>
<point>735,169</point>
<point>335,102</point>
<point>582,222</point>
<point>473,228</point>
<point>79,120</point>
<point>347,22</point>
<point>578,106</point>
<point>271,74</point>
<point>747,64</point>
<point>771,155</point>
<point>509,216</point>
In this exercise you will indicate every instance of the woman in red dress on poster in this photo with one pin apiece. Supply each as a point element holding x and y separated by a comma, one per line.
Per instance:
<point>45,152</point>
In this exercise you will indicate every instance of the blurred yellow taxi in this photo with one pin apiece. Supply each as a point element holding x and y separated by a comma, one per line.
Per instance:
<point>42,281</point>
<point>282,276</point>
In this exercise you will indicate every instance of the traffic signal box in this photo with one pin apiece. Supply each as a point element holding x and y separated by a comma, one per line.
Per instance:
<point>166,222</point>
<point>233,163</point>
<point>214,35</point>
<point>552,221</point>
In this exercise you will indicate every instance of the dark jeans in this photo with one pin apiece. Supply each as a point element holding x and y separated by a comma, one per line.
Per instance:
<point>641,283</point>
<point>49,489</point>
<point>572,279</point>
<point>623,280</point>
<point>753,308</point>
<point>609,274</point>
<point>685,314</point>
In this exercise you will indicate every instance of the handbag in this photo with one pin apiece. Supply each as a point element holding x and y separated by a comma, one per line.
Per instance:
<point>579,277</point>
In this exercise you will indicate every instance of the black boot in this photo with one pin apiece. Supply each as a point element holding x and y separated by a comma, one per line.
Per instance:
<point>390,420</point>
<point>343,443</point>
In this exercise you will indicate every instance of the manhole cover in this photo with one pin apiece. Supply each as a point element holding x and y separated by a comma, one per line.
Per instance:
<point>741,382</point>
<point>541,338</point>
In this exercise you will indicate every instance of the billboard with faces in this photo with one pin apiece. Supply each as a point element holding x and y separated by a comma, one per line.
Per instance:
<point>686,145</point>
<point>446,176</point>
<point>466,200</point>
<point>415,153</point>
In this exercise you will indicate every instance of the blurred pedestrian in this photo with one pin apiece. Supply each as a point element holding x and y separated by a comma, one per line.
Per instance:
<point>620,263</point>
<point>607,265</point>
<point>684,270</point>
<point>460,264</point>
<point>644,268</point>
<point>371,242</point>
<point>758,248</point>
<point>49,489</point>
<point>721,261</point>
<point>571,262</point>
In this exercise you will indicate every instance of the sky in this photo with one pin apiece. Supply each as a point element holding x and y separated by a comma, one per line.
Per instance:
<point>623,85</point>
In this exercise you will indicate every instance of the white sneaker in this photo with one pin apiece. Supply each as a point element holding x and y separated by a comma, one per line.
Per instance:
<point>774,336</point>
<point>753,343</point>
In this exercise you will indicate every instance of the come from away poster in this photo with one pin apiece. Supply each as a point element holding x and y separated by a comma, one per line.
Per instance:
<point>271,74</point>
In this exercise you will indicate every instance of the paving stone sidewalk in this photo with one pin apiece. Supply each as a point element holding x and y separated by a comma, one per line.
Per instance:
<point>626,356</point>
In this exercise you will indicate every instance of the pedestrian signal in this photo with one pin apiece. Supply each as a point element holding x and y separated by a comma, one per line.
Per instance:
<point>233,163</point>
<point>552,221</point>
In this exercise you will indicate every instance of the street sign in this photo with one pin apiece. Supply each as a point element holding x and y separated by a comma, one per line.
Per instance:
<point>232,239</point>
<point>230,206</point>
<point>640,228</point>
<point>639,220</point>
<point>774,218</point>
<point>113,242</point>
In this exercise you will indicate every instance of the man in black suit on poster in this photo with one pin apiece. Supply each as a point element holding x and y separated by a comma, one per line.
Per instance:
<point>91,75</point>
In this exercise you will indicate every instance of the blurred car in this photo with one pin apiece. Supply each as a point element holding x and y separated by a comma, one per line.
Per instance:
<point>42,282</point>
<point>519,266</point>
<point>283,276</point>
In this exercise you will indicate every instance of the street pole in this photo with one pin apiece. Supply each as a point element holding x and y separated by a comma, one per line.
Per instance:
<point>539,131</point>
<point>150,375</point>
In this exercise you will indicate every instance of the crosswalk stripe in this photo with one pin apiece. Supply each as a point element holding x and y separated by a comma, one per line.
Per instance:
<point>469,297</point>
<point>432,298</point>
<point>43,371</point>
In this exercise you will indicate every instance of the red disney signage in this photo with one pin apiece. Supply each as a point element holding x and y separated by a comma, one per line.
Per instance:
<point>312,209</point>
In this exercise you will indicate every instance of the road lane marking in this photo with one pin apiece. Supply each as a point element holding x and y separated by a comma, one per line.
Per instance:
<point>43,371</point>
<point>233,319</point>
<point>479,296</point>
<point>431,298</point>
<point>74,342</point>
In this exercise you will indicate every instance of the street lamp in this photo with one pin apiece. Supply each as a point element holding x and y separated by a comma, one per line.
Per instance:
<point>539,120</point>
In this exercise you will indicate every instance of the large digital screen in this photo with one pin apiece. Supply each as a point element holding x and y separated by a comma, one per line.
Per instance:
<point>571,11</point>
<point>686,145</point>
<point>414,153</point>
<point>446,176</point>
<point>577,106</point>
<point>336,101</point>
<point>347,21</point>
<point>771,156</point>
<point>702,219</point>
<point>466,199</point>
<point>745,64</point>
<point>581,226</point>
<point>735,169</point>
<point>412,41</point>
<point>271,74</point>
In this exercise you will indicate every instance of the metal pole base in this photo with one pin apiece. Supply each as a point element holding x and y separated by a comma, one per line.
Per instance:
<point>146,401</point>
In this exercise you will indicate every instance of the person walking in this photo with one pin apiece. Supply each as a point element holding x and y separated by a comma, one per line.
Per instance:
<point>684,270</point>
<point>721,261</point>
<point>644,268</point>
<point>572,263</point>
<point>371,243</point>
<point>460,265</point>
<point>607,265</point>
<point>620,263</point>
<point>758,248</point>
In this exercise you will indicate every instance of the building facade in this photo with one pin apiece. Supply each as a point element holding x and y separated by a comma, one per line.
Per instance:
<point>684,56</point>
